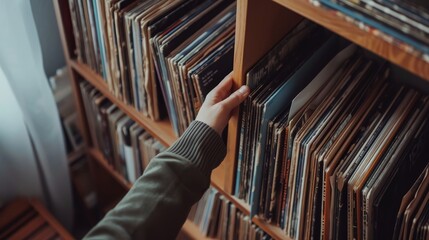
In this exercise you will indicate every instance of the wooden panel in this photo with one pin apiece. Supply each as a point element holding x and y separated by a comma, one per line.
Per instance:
<point>274,231</point>
<point>15,223</point>
<point>161,130</point>
<point>28,229</point>
<point>218,176</point>
<point>328,19</point>
<point>12,211</point>
<point>192,231</point>
<point>260,25</point>
<point>62,12</point>
<point>51,220</point>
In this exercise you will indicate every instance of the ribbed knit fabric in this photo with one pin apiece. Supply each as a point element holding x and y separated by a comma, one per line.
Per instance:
<point>202,146</point>
<point>159,201</point>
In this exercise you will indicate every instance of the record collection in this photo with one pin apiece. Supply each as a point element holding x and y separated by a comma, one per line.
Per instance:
<point>125,145</point>
<point>329,141</point>
<point>405,23</point>
<point>413,216</point>
<point>151,52</point>
<point>218,218</point>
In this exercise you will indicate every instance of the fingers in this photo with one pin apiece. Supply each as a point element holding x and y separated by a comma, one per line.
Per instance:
<point>226,83</point>
<point>236,98</point>
<point>222,90</point>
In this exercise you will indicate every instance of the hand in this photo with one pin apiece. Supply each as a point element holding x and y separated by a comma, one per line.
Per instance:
<point>219,103</point>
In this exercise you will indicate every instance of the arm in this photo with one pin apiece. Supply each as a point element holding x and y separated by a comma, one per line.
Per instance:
<point>157,205</point>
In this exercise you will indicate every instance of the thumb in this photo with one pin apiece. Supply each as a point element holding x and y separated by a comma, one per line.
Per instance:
<point>236,98</point>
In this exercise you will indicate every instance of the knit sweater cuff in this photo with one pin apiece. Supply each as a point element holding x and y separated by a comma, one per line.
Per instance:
<point>202,146</point>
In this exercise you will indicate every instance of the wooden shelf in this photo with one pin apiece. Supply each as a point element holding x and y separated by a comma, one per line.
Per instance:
<point>161,130</point>
<point>273,231</point>
<point>193,231</point>
<point>260,25</point>
<point>240,204</point>
<point>337,24</point>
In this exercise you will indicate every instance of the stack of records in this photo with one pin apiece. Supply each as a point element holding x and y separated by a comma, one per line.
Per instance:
<point>193,55</point>
<point>406,21</point>
<point>275,80</point>
<point>187,45</point>
<point>413,215</point>
<point>331,144</point>
<point>218,218</point>
<point>125,145</point>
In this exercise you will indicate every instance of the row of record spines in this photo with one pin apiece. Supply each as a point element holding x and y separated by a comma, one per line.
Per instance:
<point>217,217</point>
<point>365,22</point>
<point>105,51</point>
<point>85,34</point>
<point>412,221</point>
<point>114,54</point>
<point>126,146</point>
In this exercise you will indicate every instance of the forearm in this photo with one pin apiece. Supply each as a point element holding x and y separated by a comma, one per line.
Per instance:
<point>160,200</point>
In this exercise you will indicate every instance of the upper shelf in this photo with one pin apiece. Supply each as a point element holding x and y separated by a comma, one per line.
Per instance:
<point>330,20</point>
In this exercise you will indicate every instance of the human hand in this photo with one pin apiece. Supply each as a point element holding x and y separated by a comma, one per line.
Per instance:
<point>219,103</point>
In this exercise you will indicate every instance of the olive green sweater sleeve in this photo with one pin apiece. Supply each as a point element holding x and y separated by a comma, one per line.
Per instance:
<point>158,203</point>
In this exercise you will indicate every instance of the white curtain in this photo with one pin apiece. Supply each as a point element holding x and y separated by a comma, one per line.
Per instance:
<point>29,121</point>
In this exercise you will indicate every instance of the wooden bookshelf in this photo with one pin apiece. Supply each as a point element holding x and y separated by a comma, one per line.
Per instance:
<point>260,25</point>
<point>330,20</point>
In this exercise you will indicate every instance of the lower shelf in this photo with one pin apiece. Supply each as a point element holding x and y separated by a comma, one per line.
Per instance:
<point>189,227</point>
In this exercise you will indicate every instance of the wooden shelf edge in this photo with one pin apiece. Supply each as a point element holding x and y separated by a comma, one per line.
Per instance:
<point>161,130</point>
<point>193,231</point>
<point>242,206</point>
<point>330,20</point>
<point>273,231</point>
